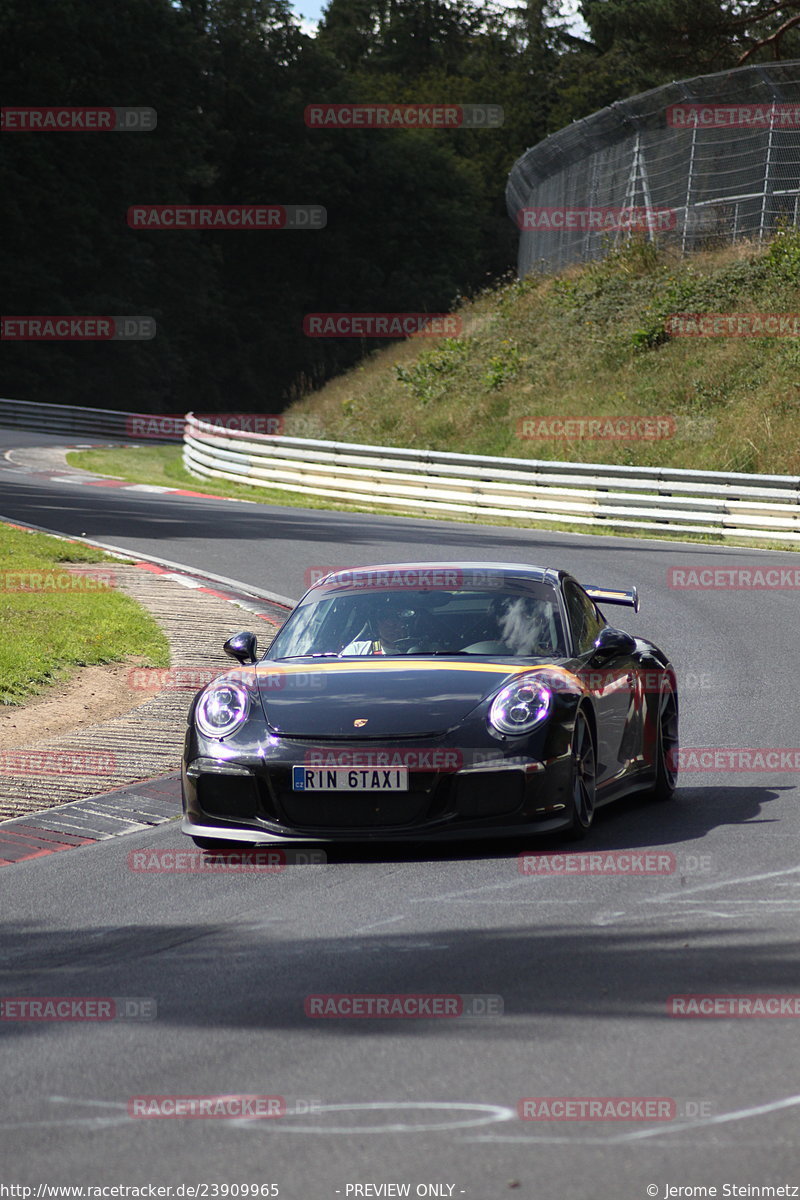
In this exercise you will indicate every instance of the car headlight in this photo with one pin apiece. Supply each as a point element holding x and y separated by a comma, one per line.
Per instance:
<point>222,708</point>
<point>520,706</point>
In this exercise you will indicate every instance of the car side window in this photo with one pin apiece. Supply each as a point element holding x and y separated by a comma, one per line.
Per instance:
<point>584,619</point>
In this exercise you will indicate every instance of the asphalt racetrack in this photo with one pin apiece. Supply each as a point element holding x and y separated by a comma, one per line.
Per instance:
<point>579,966</point>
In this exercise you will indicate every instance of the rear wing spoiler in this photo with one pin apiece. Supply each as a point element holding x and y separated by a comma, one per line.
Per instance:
<point>629,599</point>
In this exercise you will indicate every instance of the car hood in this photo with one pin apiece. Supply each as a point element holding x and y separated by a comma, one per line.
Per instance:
<point>306,698</point>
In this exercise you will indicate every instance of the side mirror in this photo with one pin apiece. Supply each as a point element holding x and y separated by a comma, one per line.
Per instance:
<point>612,642</point>
<point>242,647</point>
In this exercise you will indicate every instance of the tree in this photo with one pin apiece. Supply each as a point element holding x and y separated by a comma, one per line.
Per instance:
<point>673,39</point>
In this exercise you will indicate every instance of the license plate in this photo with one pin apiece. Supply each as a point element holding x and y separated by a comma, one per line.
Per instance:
<point>350,779</point>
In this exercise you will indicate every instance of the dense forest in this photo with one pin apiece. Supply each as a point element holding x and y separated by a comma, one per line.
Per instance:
<point>415,218</point>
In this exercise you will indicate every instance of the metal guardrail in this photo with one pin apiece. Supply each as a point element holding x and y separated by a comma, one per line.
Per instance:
<point>642,498</point>
<point>84,422</point>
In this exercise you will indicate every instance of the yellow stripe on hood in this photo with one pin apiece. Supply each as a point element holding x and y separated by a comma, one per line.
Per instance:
<point>384,663</point>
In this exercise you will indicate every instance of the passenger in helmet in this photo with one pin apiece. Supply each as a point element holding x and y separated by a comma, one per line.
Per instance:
<point>525,624</point>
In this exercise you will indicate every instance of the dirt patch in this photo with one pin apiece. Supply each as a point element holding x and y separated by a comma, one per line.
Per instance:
<point>92,694</point>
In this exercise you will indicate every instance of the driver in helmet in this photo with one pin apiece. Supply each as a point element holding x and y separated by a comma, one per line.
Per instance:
<point>388,630</point>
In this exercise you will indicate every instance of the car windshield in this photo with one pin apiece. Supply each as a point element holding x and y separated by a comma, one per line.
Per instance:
<point>517,619</point>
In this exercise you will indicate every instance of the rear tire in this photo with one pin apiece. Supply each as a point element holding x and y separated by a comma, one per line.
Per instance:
<point>584,773</point>
<point>666,746</point>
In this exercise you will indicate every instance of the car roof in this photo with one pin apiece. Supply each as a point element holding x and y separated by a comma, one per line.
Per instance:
<point>547,575</point>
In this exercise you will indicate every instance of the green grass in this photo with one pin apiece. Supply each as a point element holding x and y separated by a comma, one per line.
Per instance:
<point>46,632</point>
<point>163,466</point>
<point>591,342</point>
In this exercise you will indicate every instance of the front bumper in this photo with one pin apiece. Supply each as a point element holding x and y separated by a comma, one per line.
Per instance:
<point>250,799</point>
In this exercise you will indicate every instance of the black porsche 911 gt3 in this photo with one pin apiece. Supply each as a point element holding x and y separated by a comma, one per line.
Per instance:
<point>417,700</point>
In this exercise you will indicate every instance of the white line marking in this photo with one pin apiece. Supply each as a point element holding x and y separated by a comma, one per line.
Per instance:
<point>486,887</point>
<point>483,1114</point>
<point>184,580</point>
<point>86,830</point>
<point>89,1103</point>
<point>611,918</point>
<point>709,887</point>
<point>95,1122</point>
<point>377,924</point>
<point>108,816</point>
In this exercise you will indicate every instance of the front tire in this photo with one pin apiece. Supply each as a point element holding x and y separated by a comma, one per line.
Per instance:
<point>584,776</point>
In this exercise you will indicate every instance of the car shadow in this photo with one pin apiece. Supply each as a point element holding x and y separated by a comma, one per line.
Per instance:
<point>635,822</point>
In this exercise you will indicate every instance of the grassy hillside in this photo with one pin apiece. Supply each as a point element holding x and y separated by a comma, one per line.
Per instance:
<point>592,343</point>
